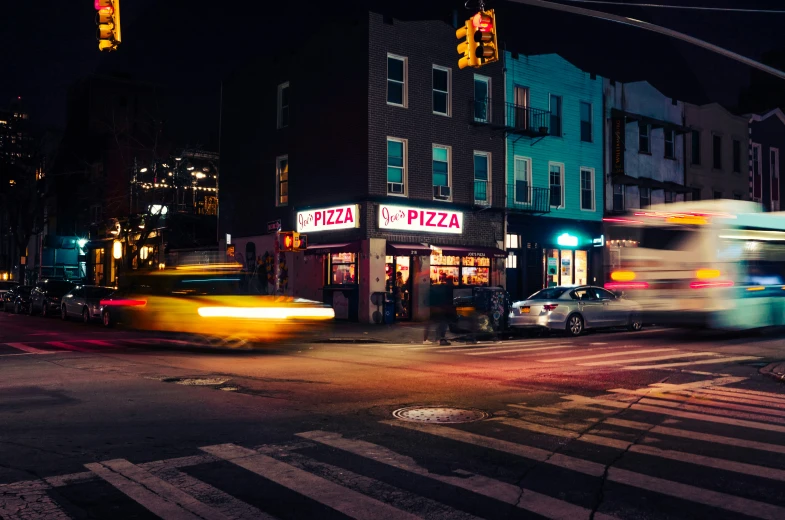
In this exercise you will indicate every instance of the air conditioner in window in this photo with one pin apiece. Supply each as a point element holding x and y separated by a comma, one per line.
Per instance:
<point>441,192</point>
<point>395,187</point>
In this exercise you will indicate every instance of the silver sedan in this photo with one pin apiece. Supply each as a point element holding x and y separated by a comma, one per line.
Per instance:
<point>575,309</point>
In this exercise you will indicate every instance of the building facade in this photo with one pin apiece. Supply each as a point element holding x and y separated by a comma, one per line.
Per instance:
<point>767,139</point>
<point>554,173</point>
<point>716,151</point>
<point>394,168</point>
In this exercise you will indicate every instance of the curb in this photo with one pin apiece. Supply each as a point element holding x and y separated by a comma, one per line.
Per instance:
<point>774,370</point>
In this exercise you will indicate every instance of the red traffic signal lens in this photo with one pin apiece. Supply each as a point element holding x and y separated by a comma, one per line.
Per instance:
<point>482,22</point>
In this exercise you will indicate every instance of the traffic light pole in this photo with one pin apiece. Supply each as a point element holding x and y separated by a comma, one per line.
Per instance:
<point>654,28</point>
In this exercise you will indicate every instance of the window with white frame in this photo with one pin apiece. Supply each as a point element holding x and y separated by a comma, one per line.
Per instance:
<point>586,122</point>
<point>670,150</point>
<point>644,132</point>
<point>482,178</point>
<point>283,105</point>
<point>396,80</point>
<point>482,99</point>
<point>282,180</point>
<point>396,166</point>
<point>774,169</point>
<point>618,197</point>
<point>441,90</point>
<point>587,189</point>
<point>556,179</point>
<point>441,172</point>
<point>523,180</point>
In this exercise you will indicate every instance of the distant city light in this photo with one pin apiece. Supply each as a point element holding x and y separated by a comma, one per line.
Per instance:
<point>189,168</point>
<point>143,170</point>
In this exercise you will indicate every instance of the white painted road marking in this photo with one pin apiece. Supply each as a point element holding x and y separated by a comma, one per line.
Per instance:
<point>30,350</point>
<point>525,349</point>
<point>610,354</point>
<point>704,362</point>
<point>645,359</point>
<point>342,499</point>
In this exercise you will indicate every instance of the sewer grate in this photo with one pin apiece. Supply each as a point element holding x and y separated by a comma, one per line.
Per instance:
<point>439,414</point>
<point>197,381</point>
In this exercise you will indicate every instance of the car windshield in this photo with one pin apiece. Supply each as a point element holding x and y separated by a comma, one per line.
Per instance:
<point>57,286</point>
<point>548,294</point>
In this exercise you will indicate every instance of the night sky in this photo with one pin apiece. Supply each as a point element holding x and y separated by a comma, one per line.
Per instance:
<point>187,46</point>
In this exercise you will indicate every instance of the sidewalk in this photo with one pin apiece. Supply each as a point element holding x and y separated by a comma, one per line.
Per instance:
<point>401,332</point>
<point>775,370</point>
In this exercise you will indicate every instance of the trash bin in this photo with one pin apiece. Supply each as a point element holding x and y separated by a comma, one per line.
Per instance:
<point>389,309</point>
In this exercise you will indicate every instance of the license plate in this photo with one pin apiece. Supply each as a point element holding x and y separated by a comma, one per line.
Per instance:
<point>525,310</point>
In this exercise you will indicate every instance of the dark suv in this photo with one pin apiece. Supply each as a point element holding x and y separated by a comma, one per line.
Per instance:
<point>46,295</point>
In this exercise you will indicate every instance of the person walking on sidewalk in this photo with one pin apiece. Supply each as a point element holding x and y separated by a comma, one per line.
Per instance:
<point>441,309</point>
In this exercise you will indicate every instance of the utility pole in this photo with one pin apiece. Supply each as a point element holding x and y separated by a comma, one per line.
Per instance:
<point>654,28</point>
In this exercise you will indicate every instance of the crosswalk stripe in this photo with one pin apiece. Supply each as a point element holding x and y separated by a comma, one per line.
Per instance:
<point>709,418</point>
<point>525,349</point>
<point>757,396</point>
<point>700,460</point>
<point>472,346</point>
<point>68,346</point>
<point>645,359</point>
<point>698,436</point>
<point>609,354</point>
<point>337,497</point>
<point>100,343</point>
<point>29,499</point>
<point>708,409</point>
<point>704,362</point>
<point>508,493</point>
<point>152,493</point>
<point>716,401</point>
<point>621,476</point>
<point>30,350</point>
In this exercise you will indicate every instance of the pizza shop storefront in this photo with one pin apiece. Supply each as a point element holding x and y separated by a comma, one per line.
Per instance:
<point>411,255</point>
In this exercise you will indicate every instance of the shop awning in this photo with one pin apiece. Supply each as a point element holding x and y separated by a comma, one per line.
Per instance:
<point>342,247</point>
<point>675,187</point>
<point>408,250</point>
<point>648,182</point>
<point>625,180</point>
<point>481,252</point>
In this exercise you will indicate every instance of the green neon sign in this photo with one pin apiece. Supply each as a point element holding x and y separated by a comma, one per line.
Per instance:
<point>567,240</point>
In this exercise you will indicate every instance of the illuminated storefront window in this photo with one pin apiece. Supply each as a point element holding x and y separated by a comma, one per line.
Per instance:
<point>343,268</point>
<point>460,270</point>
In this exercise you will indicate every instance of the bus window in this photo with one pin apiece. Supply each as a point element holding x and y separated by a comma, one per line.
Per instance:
<point>664,238</point>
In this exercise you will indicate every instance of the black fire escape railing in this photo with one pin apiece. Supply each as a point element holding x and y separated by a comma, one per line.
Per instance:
<point>522,196</point>
<point>516,119</point>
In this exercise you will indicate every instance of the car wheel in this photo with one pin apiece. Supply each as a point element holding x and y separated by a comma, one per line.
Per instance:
<point>635,323</point>
<point>575,325</point>
<point>85,315</point>
<point>63,313</point>
<point>106,319</point>
<point>44,309</point>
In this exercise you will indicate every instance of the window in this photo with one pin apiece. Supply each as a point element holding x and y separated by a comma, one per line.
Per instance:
<point>523,180</point>
<point>343,268</point>
<point>521,113</point>
<point>555,115</point>
<point>587,189</point>
<point>696,147</point>
<point>482,99</point>
<point>396,166</point>
<point>585,122</point>
<point>645,197</point>
<point>757,177</point>
<point>396,80</point>
<point>283,105</point>
<point>618,197</point>
<point>774,170</point>
<point>736,156</point>
<point>643,138</point>
<point>482,177</point>
<point>441,172</point>
<point>670,151</point>
<point>441,90</point>
<point>556,175</point>
<point>716,148</point>
<point>696,194</point>
<point>717,195</point>
<point>282,181</point>
<point>668,197</point>
<point>457,270</point>
<point>736,196</point>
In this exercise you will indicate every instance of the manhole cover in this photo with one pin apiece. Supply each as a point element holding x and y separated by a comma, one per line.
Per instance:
<point>439,414</point>
<point>197,381</point>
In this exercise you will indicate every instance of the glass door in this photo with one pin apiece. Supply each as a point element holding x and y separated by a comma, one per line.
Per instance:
<point>399,284</point>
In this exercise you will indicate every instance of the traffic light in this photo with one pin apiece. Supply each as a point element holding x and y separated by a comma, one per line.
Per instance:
<point>300,242</point>
<point>286,241</point>
<point>107,19</point>
<point>480,46</point>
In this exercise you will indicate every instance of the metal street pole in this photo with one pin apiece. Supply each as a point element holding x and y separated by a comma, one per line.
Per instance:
<point>654,28</point>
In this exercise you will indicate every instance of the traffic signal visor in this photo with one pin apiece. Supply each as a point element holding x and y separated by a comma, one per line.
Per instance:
<point>108,22</point>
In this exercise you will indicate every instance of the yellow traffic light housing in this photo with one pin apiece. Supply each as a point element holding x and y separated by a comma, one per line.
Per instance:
<point>107,20</point>
<point>480,46</point>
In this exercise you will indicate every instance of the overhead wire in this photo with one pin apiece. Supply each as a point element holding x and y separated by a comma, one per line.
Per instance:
<point>686,7</point>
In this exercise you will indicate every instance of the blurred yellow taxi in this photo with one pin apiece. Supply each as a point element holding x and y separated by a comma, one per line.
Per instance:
<point>209,301</point>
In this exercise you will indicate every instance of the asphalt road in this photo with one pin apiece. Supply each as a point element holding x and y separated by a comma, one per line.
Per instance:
<point>98,423</point>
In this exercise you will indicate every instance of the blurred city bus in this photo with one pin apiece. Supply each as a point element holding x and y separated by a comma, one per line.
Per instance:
<point>209,301</point>
<point>716,264</point>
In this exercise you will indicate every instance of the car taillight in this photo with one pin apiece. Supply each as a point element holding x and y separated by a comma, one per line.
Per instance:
<point>549,307</point>
<point>623,276</point>
<point>707,274</point>
<point>124,303</point>
<point>708,285</point>
<point>612,286</point>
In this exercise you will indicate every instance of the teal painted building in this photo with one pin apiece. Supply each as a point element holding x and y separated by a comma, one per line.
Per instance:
<point>554,172</point>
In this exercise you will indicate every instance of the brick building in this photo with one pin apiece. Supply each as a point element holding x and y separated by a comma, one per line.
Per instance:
<point>386,134</point>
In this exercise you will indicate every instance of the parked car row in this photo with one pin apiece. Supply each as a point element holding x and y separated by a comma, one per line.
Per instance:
<point>56,297</point>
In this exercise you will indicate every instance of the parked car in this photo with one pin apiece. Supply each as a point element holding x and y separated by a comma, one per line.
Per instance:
<point>5,287</point>
<point>575,309</point>
<point>46,295</point>
<point>9,297</point>
<point>21,299</point>
<point>84,301</point>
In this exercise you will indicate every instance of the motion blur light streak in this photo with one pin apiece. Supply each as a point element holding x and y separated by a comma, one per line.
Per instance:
<point>124,303</point>
<point>274,313</point>
<point>213,280</point>
<point>706,274</point>
<point>622,276</point>
<point>626,285</point>
<point>708,285</point>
